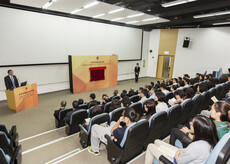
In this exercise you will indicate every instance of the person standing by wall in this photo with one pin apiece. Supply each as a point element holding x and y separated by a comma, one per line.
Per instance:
<point>137,71</point>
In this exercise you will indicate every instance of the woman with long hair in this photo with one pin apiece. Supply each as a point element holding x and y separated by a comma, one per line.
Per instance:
<point>205,139</point>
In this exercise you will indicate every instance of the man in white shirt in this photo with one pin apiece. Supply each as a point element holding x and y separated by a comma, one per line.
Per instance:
<point>164,88</point>
<point>161,105</point>
<point>152,93</point>
<point>143,95</point>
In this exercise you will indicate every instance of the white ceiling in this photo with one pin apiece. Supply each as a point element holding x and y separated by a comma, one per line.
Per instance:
<point>66,6</point>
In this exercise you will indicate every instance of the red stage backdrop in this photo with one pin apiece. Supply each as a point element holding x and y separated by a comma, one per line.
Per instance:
<point>92,72</point>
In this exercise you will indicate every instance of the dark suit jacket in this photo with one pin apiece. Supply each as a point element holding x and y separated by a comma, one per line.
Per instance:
<point>8,82</point>
<point>56,112</point>
<point>68,115</point>
<point>137,70</point>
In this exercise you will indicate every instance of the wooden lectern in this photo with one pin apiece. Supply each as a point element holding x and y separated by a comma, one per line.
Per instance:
<point>22,98</point>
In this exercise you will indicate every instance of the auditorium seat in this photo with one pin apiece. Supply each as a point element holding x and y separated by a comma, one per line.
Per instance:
<point>131,145</point>
<point>218,92</point>
<point>6,144</point>
<point>135,98</point>
<point>138,108</point>
<point>116,114</point>
<point>219,155</point>
<point>15,158</point>
<point>157,123</point>
<point>107,107</point>
<point>196,101</point>
<point>90,115</point>
<point>173,119</point>
<point>116,97</point>
<point>205,103</point>
<point>85,134</point>
<point>11,134</point>
<point>76,118</point>
<point>212,93</point>
<point>195,86</point>
<point>83,106</point>
<point>59,121</point>
<point>186,109</point>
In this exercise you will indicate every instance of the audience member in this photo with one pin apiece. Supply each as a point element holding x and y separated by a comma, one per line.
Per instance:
<point>161,105</point>
<point>205,139</point>
<point>131,92</point>
<point>180,96</point>
<point>75,108</point>
<point>150,109</point>
<point>114,105</point>
<point>96,110</point>
<point>164,88</point>
<point>98,132</point>
<point>189,93</point>
<point>173,88</point>
<point>62,106</point>
<point>175,81</point>
<point>143,94</point>
<point>92,102</point>
<point>152,93</point>
<point>125,102</point>
<point>181,84</point>
<point>201,88</point>
<point>80,101</point>
<point>115,93</point>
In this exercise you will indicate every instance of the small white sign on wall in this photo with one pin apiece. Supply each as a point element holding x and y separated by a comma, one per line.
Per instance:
<point>166,52</point>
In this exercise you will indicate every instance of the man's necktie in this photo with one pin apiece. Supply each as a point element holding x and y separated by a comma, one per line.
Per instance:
<point>12,79</point>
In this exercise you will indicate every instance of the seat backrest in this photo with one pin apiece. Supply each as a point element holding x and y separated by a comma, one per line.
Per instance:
<point>186,109</point>
<point>133,140</point>
<point>156,123</point>
<point>218,91</point>
<point>135,98</point>
<point>107,106</point>
<point>195,87</point>
<point>5,143</point>
<point>138,108</point>
<point>197,100</point>
<point>206,99</point>
<point>4,159</point>
<point>98,119</point>
<point>4,129</point>
<point>83,106</point>
<point>116,114</point>
<point>116,97</point>
<point>221,152</point>
<point>63,113</point>
<point>78,117</point>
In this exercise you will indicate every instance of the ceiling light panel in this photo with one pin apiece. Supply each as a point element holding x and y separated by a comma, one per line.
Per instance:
<point>177,2</point>
<point>212,14</point>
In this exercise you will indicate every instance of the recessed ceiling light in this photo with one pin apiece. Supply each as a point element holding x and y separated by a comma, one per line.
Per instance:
<point>212,14</point>
<point>135,15</point>
<point>115,11</point>
<point>90,4</point>
<point>116,19</point>
<point>48,4</point>
<point>222,23</point>
<point>132,22</point>
<point>99,15</point>
<point>174,3</point>
<point>150,19</point>
<point>75,11</point>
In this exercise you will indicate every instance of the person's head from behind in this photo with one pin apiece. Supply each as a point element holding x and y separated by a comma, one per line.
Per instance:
<point>179,94</point>
<point>189,92</point>
<point>152,84</point>
<point>115,92</point>
<point>153,90</point>
<point>192,81</point>
<point>115,104</point>
<point>181,83</point>
<point>202,88</point>
<point>160,97</point>
<point>63,104</point>
<point>150,107</point>
<point>130,116</point>
<point>219,111</point>
<point>144,93</point>
<point>92,96</point>
<point>139,90</point>
<point>180,79</point>
<point>186,76</point>
<point>124,91</point>
<point>125,102</point>
<point>173,87</point>
<point>170,82</point>
<point>75,104</point>
<point>96,110</point>
<point>10,72</point>
<point>80,101</point>
<point>122,94</point>
<point>175,80</point>
<point>163,87</point>
<point>204,129</point>
<point>186,81</point>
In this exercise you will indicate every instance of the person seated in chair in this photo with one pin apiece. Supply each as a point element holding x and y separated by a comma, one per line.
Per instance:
<point>125,102</point>
<point>131,92</point>
<point>116,132</point>
<point>63,105</point>
<point>153,93</point>
<point>75,108</point>
<point>105,99</point>
<point>114,105</point>
<point>186,82</point>
<point>202,88</point>
<point>161,105</point>
<point>115,93</point>
<point>150,109</point>
<point>80,101</point>
<point>180,96</point>
<point>205,139</point>
<point>175,81</point>
<point>181,84</point>
<point>164,88</point>
<point>92,102</point>
<point>143,94</point>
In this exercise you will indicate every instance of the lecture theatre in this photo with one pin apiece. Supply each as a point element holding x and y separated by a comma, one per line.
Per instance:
<point>114,81</point>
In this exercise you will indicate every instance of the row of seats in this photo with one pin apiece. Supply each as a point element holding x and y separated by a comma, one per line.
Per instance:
<point>138,135</point>
<point>10,151</point>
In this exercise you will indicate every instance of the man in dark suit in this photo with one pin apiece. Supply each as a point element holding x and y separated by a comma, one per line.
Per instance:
<point>137,71</point>
<point>11,80</point>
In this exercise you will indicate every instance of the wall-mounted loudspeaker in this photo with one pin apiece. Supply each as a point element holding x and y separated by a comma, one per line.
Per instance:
<point>186,42</point>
